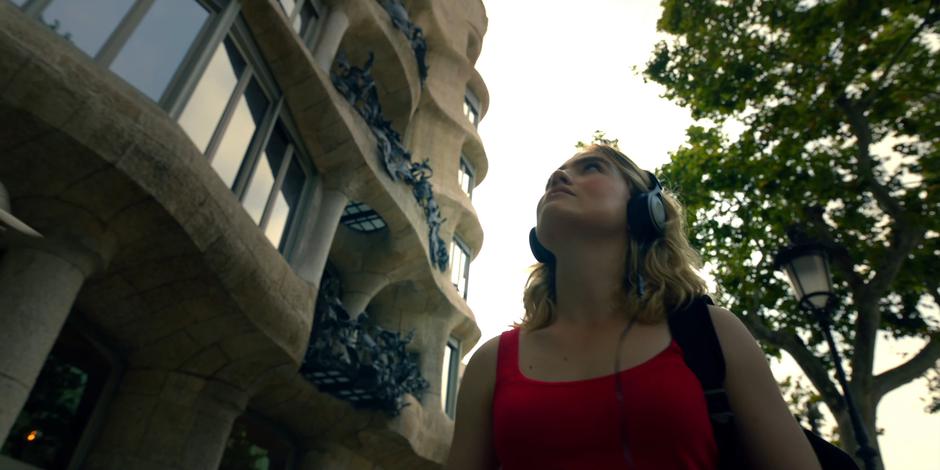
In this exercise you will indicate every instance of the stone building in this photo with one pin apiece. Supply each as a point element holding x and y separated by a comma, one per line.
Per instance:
<point>178,179</point>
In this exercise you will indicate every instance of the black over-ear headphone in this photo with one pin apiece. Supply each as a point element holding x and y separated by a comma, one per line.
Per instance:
<point>646,218</point>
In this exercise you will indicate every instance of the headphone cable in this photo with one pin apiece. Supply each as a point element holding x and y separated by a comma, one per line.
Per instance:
<point>627,456</point>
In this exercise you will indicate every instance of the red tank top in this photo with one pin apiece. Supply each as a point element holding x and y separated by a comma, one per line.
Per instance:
<point>575,425</point>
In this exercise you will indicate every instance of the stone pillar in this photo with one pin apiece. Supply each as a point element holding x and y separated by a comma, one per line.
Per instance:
<point>334,28</point>
<point>37,289</point>
<point>167,419</point>
<point>314,249</point>
<point>359,289</point>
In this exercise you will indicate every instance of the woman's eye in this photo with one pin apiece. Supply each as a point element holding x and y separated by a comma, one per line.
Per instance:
<point>592,165</point>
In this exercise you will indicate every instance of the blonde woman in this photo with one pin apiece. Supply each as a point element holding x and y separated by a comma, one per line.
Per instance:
<point>592,378</point>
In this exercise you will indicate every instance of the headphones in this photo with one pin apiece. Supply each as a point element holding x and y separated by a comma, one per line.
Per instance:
<point>646,219</point>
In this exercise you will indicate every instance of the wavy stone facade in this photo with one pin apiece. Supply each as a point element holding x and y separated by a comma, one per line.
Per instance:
<point>189,200</point>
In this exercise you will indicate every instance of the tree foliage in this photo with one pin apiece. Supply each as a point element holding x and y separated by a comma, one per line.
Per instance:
<point>839,106</point>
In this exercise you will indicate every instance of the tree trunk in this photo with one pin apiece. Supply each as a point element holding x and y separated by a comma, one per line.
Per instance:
<point>848,441</point>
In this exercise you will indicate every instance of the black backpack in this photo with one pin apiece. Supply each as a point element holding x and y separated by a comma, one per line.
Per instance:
<point>693,330</point>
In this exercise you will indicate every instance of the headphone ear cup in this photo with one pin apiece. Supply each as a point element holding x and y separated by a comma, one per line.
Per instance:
<point>538,250</point>
<point>657,211</point>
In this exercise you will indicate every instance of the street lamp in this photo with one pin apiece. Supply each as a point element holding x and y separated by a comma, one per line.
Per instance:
<point>807,268</point>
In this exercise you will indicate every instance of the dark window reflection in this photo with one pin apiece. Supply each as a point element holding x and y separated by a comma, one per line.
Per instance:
<point>256,198</point>
<point>58,408</point>
<point>87,23</point>
<point>204,109</point>
<point>307,16</point>
<point>255,445</point>
<point>285,203</point>
<point>157,46</point>
<point>245,120</point>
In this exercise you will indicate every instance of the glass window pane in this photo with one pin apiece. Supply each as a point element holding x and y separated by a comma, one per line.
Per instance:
<point>445,375</point>
<point>265,172</point>
<point>285,203</point>
<point>86,23</point>
<point>19,2</point>
<point>201,114</point>
<point>157,46</point>
<point>245,120</point>
<point>308,14</point>
<point>454,264</point>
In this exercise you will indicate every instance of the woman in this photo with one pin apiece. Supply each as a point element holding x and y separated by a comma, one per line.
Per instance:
<point>545,395</point>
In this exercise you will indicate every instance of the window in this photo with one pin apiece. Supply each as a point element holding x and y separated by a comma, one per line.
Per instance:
<point>465,176</point>
<point>62,404</point>
<point>303,16</point>
<point>449,376</point>
<point>274,192</point>
<point>459,265</point>
<point>236,117</point>
<point>361,218</point>
<point>144,42</point>
<point>201,66</point>
<point>256,444</point>
<point>471,108</point>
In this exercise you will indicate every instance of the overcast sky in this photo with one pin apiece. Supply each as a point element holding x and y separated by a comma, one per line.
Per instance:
<point>555,73</point>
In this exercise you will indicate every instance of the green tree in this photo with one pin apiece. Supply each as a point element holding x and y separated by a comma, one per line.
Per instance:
<point>839,106</point>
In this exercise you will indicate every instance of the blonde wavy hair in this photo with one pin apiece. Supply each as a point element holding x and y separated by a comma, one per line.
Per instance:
<point>669,268</point>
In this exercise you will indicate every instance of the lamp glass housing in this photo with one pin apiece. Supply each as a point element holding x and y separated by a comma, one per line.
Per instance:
<point>807,269</point>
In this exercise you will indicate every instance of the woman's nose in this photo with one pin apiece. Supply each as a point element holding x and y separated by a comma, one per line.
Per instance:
<point>558,176</point>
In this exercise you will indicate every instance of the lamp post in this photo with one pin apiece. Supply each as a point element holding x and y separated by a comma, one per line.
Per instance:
<point>807,268</point>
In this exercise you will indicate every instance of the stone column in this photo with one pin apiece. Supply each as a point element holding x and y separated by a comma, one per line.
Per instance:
<point>37,289</point>
<point>334,28</point>
<point>167,419</point>
<point>359,289</point>
<point>314,248</point>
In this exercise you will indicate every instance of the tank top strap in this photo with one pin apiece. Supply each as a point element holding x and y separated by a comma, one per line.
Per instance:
<point>507,358</point>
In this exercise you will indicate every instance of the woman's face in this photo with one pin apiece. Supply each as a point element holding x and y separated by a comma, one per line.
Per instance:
<point>588,192</point>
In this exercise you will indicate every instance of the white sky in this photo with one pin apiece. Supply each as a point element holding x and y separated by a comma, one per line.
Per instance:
<point>556,73</point>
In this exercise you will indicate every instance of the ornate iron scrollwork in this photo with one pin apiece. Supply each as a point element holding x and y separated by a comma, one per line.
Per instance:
<point>358,361</point>
<point>412,32</point>
<point>358,87</point>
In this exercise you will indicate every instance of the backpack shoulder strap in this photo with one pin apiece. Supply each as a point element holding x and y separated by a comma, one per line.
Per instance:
<point>693,330</point>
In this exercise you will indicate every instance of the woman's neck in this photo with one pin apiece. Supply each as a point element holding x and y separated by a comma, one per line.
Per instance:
<point>589,285</point>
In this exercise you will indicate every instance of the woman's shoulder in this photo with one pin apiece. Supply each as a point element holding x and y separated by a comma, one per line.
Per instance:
<point>486,355</point>
<point>479,377</point>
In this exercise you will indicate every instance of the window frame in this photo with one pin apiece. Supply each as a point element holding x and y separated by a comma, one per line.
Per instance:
<point>224,22</point>
<point>221,15</point>
<point>466,168</point>
<point>378,216</point>
<point>449,400</point>
<point>473,103</point>
<point>308,35</point>
<point>460,245</point>
<point>293,152</point>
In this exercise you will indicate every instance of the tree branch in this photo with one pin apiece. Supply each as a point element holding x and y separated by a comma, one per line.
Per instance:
<point>808,362</point>
<point>878,88</point>
<point>915,367</point>
<point>858,123</point>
